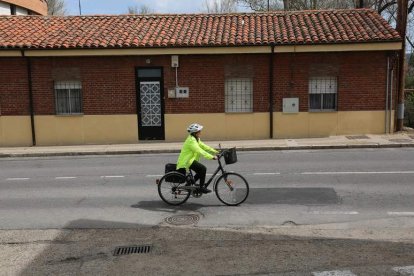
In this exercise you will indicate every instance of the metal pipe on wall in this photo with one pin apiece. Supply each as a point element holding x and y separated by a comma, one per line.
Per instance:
<point>386,95</point>
<point>272,52</point>
<point>31,109</point>
<point>390,123</point>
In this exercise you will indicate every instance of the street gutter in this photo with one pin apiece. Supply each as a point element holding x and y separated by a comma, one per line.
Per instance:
<point>160,151</point>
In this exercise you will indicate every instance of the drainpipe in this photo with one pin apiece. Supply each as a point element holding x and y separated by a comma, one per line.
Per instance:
<point>272,52</point>
<point>386,95</point>
<point>31,109</point>
<point>390,125</point>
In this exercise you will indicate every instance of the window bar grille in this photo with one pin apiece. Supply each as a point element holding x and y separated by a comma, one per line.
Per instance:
<point>68,97</point>
<point>238,94</point>
<point>326,88</point>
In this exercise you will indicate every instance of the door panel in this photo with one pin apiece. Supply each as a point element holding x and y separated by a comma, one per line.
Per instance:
<point>151,116</point>
<point>150,103</point>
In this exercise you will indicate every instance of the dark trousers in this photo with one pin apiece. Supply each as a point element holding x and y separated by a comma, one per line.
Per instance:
<point>200,171</point>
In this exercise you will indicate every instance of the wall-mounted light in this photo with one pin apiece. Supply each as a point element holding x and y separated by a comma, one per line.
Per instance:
<point>148,61</point>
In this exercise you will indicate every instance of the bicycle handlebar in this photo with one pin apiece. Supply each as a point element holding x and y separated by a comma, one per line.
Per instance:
<point>221,152</point>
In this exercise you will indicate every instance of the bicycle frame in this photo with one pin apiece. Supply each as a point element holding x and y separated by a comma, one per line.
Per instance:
<point>172,193</point>
<point>219,168</point>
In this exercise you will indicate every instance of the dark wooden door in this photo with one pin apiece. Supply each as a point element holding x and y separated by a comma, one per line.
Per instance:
<point>150,104</point>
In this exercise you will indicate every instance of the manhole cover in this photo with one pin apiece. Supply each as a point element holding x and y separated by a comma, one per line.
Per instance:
<point>400,140</point>
<point>183,220</point>
<point>126,250</point>
<point>289,223</point>
<point>355,137</point>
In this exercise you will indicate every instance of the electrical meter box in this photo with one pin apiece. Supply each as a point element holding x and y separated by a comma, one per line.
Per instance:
<point>174,62</point>
<point>290,105</point>
<point>182,92</point>
<point>171,93</point>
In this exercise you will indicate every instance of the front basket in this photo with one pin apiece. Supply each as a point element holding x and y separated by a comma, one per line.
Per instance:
<point>230,156</point>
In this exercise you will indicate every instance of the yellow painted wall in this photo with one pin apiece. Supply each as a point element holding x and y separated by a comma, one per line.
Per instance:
<point>111,129</point>
<point>15,131</point>
<point>88,129</point>
<point>219,126</point>
<point>323,124</point>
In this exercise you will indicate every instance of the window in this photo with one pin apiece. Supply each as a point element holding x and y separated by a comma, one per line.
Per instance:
<point>322,93</point>
<point>149,73</point>
<point>239,95</point>
<point>68,97</point>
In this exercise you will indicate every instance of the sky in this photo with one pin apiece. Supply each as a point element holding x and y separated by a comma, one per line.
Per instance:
<point>121,6</point>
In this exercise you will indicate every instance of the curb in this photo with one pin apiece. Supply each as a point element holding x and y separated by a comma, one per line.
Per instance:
<point>149,151</point>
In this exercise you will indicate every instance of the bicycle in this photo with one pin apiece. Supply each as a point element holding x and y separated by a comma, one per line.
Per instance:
<point>231,188</point>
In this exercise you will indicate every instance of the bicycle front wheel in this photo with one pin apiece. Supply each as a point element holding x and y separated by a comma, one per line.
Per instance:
<point>232,189</point>
<point>171,188</point>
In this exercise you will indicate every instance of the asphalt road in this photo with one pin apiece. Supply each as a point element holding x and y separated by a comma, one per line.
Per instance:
<point>328,212</point>
<point>363,186</point>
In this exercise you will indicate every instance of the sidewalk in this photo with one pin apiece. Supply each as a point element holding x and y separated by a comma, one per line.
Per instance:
<point>401,139</point>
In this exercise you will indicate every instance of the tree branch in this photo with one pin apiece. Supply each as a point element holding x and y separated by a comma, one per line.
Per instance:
<point>409,41</point>
<point>381,9</point>
<point>410,9</point>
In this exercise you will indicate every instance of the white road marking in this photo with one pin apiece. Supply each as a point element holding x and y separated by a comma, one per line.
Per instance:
<point>335,173</point>
<point>334,213</point>
<point>65,177</point>
<point>400,213</point>
<point>154,175</point>
<point>404,270</point>
<point>112,176</point>
<point>266,173</point>
<point>17,179</point>
<point>334,273</point>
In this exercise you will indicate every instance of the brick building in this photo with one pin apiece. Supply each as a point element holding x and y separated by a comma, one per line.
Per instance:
<point>23,7</point>
<point>122,79</point>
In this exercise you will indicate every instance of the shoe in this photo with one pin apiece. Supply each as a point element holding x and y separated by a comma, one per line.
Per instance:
<point>204,190</point>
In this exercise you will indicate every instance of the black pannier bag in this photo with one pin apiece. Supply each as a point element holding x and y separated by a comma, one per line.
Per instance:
<point>230,156</point>
<point>172,168</point>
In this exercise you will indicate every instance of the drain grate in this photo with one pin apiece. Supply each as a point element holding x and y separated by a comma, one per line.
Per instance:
<point>183,220</point>
<point>355,137</point>
<point>127,250</point>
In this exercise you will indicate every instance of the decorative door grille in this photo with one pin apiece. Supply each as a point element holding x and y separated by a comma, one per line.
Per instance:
<point>150,103</point>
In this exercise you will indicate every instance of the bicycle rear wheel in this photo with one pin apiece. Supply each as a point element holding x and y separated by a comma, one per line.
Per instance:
<point>232,189</point>
<point>171,188</point>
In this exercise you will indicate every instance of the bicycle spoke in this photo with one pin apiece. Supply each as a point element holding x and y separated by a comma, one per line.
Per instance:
<point>232,189</point>
<point>169,189</point>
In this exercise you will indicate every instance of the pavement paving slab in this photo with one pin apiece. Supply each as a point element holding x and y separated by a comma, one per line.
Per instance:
<point>400,139</point>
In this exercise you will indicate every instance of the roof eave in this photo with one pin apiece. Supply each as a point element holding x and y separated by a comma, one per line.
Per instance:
<point>236,49</point>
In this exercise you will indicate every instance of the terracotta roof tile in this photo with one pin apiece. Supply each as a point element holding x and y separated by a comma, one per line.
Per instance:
<point>192,30</point>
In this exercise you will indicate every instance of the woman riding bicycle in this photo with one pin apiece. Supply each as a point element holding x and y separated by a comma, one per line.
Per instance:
<point>190,154</point>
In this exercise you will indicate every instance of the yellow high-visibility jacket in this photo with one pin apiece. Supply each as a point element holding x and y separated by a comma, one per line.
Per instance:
<point>191,150</point>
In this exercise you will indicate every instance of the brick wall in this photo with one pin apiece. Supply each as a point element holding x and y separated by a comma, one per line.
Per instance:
<point>205,75</point>
<point>14,91</point>
<point>361,78</point>
<point>109,86</point>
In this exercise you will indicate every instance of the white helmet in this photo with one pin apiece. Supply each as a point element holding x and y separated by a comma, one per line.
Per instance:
<point>193,128</point>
